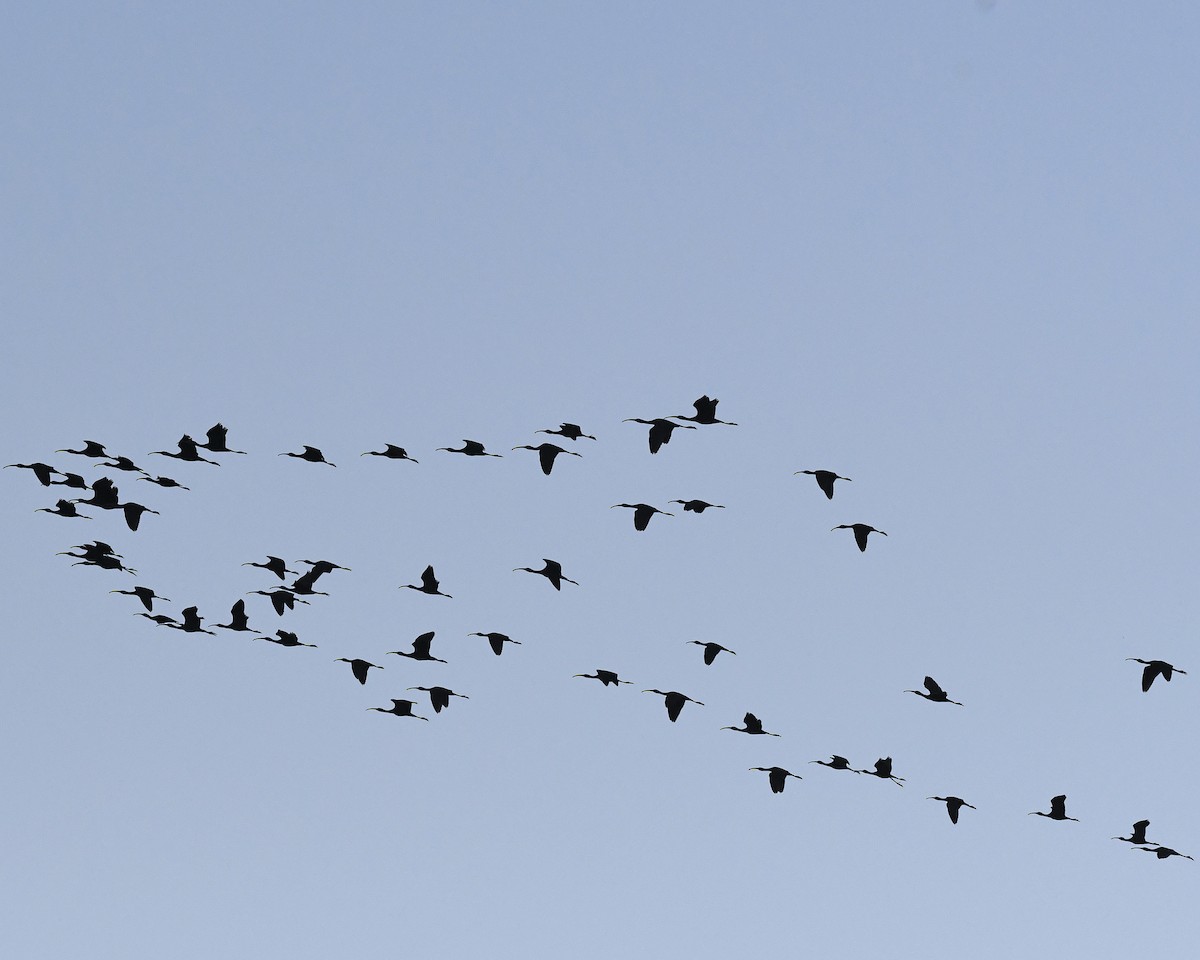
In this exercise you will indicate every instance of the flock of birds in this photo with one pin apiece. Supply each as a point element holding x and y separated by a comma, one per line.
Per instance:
<point>103,494</point>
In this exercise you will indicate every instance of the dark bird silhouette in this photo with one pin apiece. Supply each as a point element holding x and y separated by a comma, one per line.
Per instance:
<point>936,694</point>
<point>1156,668</point>
<point>122,463</point>
<point>1163,852</point>
<point>64,508</point>
<point>359,667</point>
<point>642,512</point>
<point>145,594</point>
<point>164,482</point>
<point>429,584</point>
<point>285,638</point>
<point>276,565</point>
<point>311,454</point>
<point>281,599</point>
<point>753,726</point>
<point>303,585</point>
<point>552,571</point>
<point>103,561</point>
<point>825,480</point>
<point>606,677</point>
<point>706,412</point>
<point>674,701</point>
<point>836,763</point>
<point>698,506</point>
<point>883,770</point>
<point>1058,809</point>
<point>96,548</point>
<point>237,619</point>
<point>860,533</point>
<point>711,650</point>
<point>188,450</point>
<point>1137,834</point>
<point>420,650</point>
<point>191,622</point>
<point>439,697</point>
<point>496,640</point>
<point>74,480</point>
<point>104,495</point>
<point>133,513</point>
<point>546,454</point>
<point>391,452</point>
<point>90,449</point>
<point>953,805</point>
<point>160,618</point>
<point>43,471</point>
<point>572,431</point>
<point>660,431</point>
<point>324,566</point>
<point>778,777</point>
<point>217,435</point>
<point>401,708</point>
<point>471,448</point>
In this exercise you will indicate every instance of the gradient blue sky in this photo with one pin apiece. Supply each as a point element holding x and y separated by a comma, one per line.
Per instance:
<point>946,249</point>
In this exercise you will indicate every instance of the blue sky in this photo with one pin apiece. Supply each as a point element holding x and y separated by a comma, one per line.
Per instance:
<point>943,249</point>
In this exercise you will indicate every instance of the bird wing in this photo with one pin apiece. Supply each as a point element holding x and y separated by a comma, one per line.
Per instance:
<point>216,436</point>
<point>428,580</point>
<point>421,644</point>
<point>546,454</point>
<point>1058,805</point>
<point>710,653</point>
<point>753,724</point>
<point>934,690</point>
<point>1148,675</point>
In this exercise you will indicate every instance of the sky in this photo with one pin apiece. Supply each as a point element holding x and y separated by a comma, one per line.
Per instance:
<point>945,249</point>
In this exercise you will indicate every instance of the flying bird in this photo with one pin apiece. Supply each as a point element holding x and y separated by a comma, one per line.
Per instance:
<point>753,726</point>
<point>420,649</point>
<point>572,431</point>
<point>281,599</point>
<point>359,667</point>
<point>104,495</point>
<point>217,434</point>
<point>122,463</point>
<point>674,701</point>
<point>75,481</point>
<point>191,622</point>
<point>642,512</point>
<point>429,584</point>
<point>237,619</point>
<point>391,452</point>
<point>552,571</point>
<point>145,594</point>
<point>606,677</point>
<point>953,805</point>
<point>188,450</point>
<point>836,763</point>
<point>439,697</point>
<point>660,431</point>
<point>496,641</point>
<point>711,650</point>
<point>824,479</point>
<point>43,471</point>
<point>546,454</point>
<point>1155,668</point>
<point>936,694</point>
<point>698,506</point>
<point>1163,852</point>
<point>861,530</point>
<point>401,708</point>
<point>275,565</point>
<point>1058,809</point>
<point>164,482</point>
<point>778,777</point>
<point>285,638</point>
<point>706,412</point>
<point>1137,834</point>
<point>471,448</point>
<point>311,454</point>
<point>90,449</point>
<point>64,508</point>
<point>883,770</point>
<point>133,514</point>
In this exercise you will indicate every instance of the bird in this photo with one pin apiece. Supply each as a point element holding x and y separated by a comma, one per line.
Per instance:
<point>883,770</point>
<point>401,708</point>
<point>496,640</point>
<point>145,594</point>
<point>276,565</point>
<point>642,512</point>
<point>420,650</point>
<point>216,440</point>
<point>546,454</point>
<point>836,763</point>
<point>122,463</point>
<point>1163,852</point>
<point>606,677</point>
<point>711,650</point>
<point>95,549</point>
<point>753,726</point>
<point>104,495</point>
<point>706,412</point>
<point>164,482</point>
<point>471,448</point>
<point>191,622</point>
<point>552,571</point>
<point>1156,668</point>
<point>160,618</point>
<point>698,506</point>
<point>285,638</point>
<point>237,619</point>
<point>674,701</point>
<point>572,431</point>
<point>391,451</point>
<point>324,566</point>
<point>778,777</point>
<point>1137,834</point>
<point>103,561</point>
<point>281,599</point>
<point>936,694</point>
<point>660,430</point>
<point>303,584</point>
<point>133,513</point>
<point>43,471</point>
<point>64,508</point>
<point>824,479</point>
<point>311,454</point>
<point>861,530</point>
<point>439,697</point>
<point>429,584</point>
<point>359,667</point>
<point>953,805</point>
<point>90,449</point>
<point>1058,809</point>
<point>74,480</point>
<point>187,451</point>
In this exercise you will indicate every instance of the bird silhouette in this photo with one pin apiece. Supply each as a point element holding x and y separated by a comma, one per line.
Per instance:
<point>1163,852</point>
<point>1137,834</point>
<point>90,449</point>
<point>496,640</point>
<point>160,618</point>
<point>64,508</point>
<point>572,431</point>
<point>429,584</point>
<point>753,726</point>
<point>145,594</point>
<point>439,697</point>
<point>642,512</point>
<point>311,454</point>
<point>660,430</point>
<point>75,481</point>
<point>103,561</point>
<point>471,448</point>
<point>552,571</point>
<point>825,480</point>
<point>1058,809</point>
<point>698,506</point>
<point>43,471</point>
<point>401,708</point>
<point>836,763</point>
<point>104,495</point>
<point>275,565</point>
<point>188,450</point>
<point>861,530</point>
<point>122,463</point>
<point>706,412</point>
<point>359,667</point>
<point>391,452</point>
<point>323,567</point>
<point>936,694</point>
<point>237,619</point>
<point>1155,668</point>
<point>778,777</point>
<point>164,482</point>
<point>674,701</point>
<point>546,454</point>
<point>883,770</point>
<point>133,513</point>
<point>606,677</point>
<point>217,435</point>
<point>303,584</point>
<point>420,649</point>
<point>281,599</point>
<point>191,622</point>
<point>953,805</point>
<point>285,638</point>
<point>711,650</point>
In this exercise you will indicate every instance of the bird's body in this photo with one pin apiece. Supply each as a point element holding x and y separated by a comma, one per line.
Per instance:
<point>935,693</point>
<point>953,806</point>
<point>43,471</point>
<point>144,594</point>
<point>64,508</point>
<point>883,770</point>
<point>122,463</point>
<point>606,677</point>
<point>191,622</point>
<point>1154,669</point>
<point>310,454</point>
<point>642,512</point>
<point>777,777</point>
<point>861,530</point>
<point>836,763</point>
<point>275,565</point>
<point>286,638</point>
<point>217,435</point>
<point>390,452</point>
<point>546,453</point>
<point>439,697</point>
<point>496,641</point>
<point>1137,834</point>
<point>674,701</point>
<point>164,482</point>
<point>429,584</point>
<point>752,726</point>
<point>359,667</point>
<point>104,495</point>
<point>420,650</point>
<point>471,448</point>
<point>1058,809</point>
<point>572,431</point>
<point>401,708</point>
<point>75,481</point>
<point>552,571</point>
<point>660,430</point>
<point>706,412</point>
<point>711,650</point>
<point>90,449</point>
<point>237,619</point>
<point>698,506</point>
<point>824,479</point>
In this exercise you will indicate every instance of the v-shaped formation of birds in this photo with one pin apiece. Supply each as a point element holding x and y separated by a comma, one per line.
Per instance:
<point>103,495</point>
